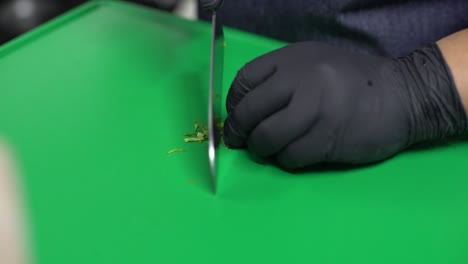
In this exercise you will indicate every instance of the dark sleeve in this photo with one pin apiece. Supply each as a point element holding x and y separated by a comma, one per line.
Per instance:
<point>379,27</point>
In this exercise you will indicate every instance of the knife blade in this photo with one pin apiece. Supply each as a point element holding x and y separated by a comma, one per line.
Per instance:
<point>215,90</point>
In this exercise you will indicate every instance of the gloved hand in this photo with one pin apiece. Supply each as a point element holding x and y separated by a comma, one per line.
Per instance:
<point>310,103</point>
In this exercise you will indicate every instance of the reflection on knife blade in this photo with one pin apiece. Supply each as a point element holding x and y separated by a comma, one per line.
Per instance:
<point>215,95</point>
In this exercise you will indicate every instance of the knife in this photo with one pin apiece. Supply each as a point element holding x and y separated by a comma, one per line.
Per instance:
<point>215,92</point>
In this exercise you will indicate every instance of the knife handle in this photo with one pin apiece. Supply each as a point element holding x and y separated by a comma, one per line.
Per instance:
<point>212,5</point>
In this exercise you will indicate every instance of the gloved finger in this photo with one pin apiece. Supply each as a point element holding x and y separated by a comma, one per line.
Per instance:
<point>248,78</point>
<point>311,149</point>
<point>280,129</point>
<point>211,5</point>
<point>268,98</point>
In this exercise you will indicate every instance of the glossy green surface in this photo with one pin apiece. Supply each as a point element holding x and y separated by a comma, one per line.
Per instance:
<point>93,101</point>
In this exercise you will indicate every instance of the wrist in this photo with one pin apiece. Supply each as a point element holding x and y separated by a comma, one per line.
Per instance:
<point>454,49</point>
<point>435,107</point>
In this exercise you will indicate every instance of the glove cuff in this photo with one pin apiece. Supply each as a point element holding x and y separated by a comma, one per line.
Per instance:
<point>436,109</point>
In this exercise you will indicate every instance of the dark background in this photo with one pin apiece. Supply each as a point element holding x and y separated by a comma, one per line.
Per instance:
<point>20,16</point>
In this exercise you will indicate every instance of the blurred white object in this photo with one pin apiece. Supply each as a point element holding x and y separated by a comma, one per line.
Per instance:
<point>12,246</point>
<point>187,9</point>
<point>24,8</point>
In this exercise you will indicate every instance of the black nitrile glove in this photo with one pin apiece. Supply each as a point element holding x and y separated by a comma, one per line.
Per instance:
<point>310,103</point>
<point>211,5</point>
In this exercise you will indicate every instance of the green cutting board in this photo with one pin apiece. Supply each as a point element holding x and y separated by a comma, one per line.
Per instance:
<point>91,103</point>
